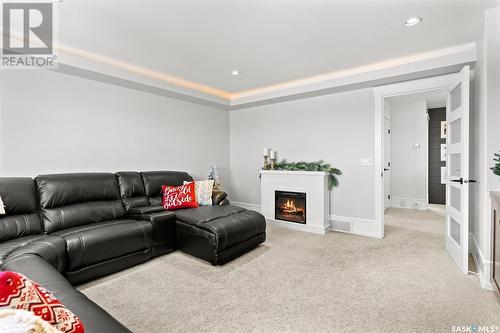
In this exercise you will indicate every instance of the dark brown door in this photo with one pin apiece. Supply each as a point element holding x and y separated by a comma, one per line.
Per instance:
<point>437,190</point>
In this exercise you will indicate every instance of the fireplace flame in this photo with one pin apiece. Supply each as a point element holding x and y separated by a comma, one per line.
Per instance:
<point>289,207</point>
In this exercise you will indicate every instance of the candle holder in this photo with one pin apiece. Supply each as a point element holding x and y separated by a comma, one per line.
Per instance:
<point>273,163</point>
<point>266,162</point>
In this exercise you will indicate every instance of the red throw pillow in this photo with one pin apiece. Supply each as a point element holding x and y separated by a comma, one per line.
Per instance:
<point>19,292</point>
<point>177,197</point>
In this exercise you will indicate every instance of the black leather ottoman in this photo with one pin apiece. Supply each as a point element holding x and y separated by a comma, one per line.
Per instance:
<point>218,234</point>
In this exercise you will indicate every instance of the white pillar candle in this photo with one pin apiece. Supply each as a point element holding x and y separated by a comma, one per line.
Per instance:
<point>273,154</point>
<point>266,151</point>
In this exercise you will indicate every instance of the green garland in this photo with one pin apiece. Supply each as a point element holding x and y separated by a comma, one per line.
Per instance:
<point>311,166</point>
<point>496,168</point>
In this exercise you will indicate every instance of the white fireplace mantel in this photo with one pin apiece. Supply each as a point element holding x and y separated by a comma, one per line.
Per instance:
<point>313,183</point>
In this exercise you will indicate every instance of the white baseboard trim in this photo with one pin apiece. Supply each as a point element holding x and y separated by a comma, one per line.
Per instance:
<point>409,203</point>
<point>347,224</point>
<point>354,225</point>
<point>299,226</point>
<point>482,265</point>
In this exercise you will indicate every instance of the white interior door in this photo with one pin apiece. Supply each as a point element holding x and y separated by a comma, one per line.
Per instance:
<point>387,163</point>
<point>457,166</point>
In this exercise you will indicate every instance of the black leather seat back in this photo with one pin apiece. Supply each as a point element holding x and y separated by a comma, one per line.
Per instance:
<point>21,217</point>
<point>70,200</point>
<point>132,189</point>
<point>153,180</point>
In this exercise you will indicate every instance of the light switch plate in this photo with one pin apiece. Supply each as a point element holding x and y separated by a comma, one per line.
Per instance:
<point>366,161</point>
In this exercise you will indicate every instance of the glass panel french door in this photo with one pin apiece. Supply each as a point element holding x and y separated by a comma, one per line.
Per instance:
<point>457,167</point>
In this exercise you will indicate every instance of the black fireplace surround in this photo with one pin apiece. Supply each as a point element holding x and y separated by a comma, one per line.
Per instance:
<point>66,229</point>
<point>290,206</point>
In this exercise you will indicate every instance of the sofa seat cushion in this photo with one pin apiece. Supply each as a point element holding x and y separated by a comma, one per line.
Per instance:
<point>50,248</point>
<point>231,225</point>
<point>204,214</point>
<point>97,242</point>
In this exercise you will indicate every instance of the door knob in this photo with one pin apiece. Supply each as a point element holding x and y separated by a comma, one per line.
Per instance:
<point>461,180</point>
<point>386,169</point>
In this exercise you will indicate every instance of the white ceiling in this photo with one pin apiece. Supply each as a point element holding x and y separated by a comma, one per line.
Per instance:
<point>270,42</point>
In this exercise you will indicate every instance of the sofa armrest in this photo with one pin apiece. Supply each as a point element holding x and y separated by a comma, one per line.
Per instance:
<point>145,210</point>
<point>154,217</point>
<point>163,230</point>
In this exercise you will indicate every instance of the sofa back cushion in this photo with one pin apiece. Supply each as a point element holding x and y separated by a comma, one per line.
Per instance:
<point>132,189</point>
<point>153,181</point>
<point>21,217</point>
<point>70,200</point>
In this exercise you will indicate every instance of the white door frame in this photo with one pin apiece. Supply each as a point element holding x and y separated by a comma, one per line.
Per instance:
<point>442,82</point>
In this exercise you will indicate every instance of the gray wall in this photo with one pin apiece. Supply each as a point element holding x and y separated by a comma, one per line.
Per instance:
<point>409,164</point>
<point>338,129</point>
<point>52,122</point>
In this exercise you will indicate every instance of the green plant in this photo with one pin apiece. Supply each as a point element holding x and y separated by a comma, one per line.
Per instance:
<point>496,168</point>
<point>311,166</point>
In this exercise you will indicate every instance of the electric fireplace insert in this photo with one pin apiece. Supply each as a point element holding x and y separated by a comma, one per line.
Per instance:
<point>290,206</point>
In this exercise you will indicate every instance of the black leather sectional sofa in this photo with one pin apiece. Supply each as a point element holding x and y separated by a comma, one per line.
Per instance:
<point>66,229</point>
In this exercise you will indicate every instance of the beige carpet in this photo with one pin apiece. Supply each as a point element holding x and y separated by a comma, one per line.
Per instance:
<point>301,282</point>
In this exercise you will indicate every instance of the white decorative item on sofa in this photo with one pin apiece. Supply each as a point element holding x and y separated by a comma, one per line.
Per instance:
<point>22,321</point>
<point>296,199</point>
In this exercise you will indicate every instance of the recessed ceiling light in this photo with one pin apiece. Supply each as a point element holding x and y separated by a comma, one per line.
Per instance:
<point>235,72</point>
<point>410,21</point>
